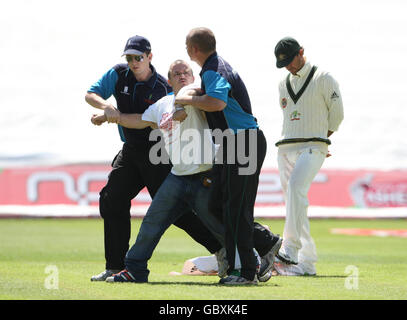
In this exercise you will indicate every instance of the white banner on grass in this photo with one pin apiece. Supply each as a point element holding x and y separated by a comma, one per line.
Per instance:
<point>75,211</point>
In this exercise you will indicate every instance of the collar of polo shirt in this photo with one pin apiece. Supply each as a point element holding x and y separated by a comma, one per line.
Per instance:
<point>304,70</point>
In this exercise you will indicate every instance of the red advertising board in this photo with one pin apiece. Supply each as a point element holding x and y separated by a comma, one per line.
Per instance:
<point>80,184</point>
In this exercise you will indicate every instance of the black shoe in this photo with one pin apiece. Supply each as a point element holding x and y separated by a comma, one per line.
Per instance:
<point>234,280</point>
<point>286,259</point>
<point>267,261</point>
<point>123,276</point>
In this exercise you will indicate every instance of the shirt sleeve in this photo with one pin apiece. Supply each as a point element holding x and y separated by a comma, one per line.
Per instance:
<point>105,86</point>
<point>121,133</point>
<point>216,86</point>
<point>333,100</point>
<point>151,113</point>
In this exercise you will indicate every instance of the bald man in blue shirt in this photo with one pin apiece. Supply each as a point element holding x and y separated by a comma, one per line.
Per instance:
<point>224,98</point>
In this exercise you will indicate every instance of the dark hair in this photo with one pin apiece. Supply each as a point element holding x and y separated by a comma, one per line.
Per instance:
<point>203,38</point>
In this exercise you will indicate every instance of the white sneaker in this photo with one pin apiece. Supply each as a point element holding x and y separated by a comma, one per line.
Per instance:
<point>104,275</point>
<point>284,269</point>
<point>308,268</point>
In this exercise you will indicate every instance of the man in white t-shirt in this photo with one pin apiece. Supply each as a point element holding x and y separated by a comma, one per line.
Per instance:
<point>191,150</point>
<point>312,108</point>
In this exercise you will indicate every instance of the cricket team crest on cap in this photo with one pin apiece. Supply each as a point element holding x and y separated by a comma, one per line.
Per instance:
<point>281,56</point>
<point>284,103</point>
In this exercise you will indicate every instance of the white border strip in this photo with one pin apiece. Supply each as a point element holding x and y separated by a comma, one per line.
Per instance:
<point>59,211</point>
<point>335,212</point>
<point>76,211</point>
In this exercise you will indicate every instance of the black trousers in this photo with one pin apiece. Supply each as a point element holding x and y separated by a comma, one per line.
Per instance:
<point>233,195</point>
<point>132,171</point>
<point>263,239</point>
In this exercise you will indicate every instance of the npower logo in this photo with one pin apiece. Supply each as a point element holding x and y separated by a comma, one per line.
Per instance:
<point>77,191</point>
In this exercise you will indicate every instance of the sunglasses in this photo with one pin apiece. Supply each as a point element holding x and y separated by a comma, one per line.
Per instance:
<point>137,58</point>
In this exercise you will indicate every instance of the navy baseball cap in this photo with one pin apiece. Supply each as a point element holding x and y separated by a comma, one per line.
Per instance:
<point>137,45</point>
<point>285,51</point>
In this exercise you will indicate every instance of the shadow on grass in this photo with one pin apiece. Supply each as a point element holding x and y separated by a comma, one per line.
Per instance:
<point>320,276</point>
<point>214,284</point>
<point>260,284</point>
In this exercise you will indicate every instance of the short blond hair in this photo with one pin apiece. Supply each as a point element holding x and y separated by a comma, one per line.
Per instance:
<point>203,38</point>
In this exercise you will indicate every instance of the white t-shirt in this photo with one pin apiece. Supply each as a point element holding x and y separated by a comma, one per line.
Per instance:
<point>188,143</point>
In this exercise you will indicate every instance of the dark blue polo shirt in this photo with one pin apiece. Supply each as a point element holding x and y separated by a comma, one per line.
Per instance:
<point>132,96</point>
<point>220,81</point>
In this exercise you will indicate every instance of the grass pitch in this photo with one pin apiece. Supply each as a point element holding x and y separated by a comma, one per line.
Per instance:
<point>55,258</point>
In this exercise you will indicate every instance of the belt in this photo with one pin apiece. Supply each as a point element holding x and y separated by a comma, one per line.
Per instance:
<point>297,140</point>
<point>204,177</point>
<point>199,174</point>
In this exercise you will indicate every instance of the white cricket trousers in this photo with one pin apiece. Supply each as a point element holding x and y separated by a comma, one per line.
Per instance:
<point>298,164</point>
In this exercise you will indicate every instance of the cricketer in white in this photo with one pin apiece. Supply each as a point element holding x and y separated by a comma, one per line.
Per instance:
<point>312,108</point>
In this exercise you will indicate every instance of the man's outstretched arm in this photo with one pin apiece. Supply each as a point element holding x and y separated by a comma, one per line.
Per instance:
<point>96,101</point>
<point>131,121</point>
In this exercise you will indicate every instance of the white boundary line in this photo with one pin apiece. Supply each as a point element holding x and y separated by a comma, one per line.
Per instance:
<point>76,211</point>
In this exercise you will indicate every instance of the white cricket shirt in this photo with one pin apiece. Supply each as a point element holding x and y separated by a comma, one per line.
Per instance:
<point>318,110</point>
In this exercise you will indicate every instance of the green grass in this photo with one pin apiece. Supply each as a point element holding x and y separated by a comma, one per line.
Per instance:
<point>75,247</point>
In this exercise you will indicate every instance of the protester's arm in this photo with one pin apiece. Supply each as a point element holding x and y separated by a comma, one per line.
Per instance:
<point>96,101</point>
<point>180,114</point>
<point>131,120</point>
<point>134,121</point>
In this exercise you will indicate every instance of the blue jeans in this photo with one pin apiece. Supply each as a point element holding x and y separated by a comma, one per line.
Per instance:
<point>176,196</point>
